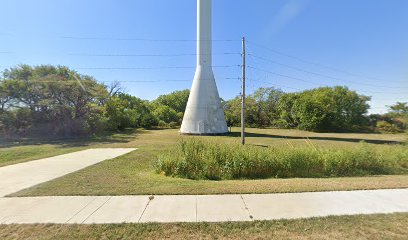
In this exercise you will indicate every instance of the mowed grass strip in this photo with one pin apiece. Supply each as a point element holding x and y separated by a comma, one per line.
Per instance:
<point>391,226</point>
<point>13,152</point>
<point>14,155</point>
<point>134,173</point>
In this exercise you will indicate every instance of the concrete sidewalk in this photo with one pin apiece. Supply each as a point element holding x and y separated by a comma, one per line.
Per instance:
<point>214,208</point>
<point>17,177</point>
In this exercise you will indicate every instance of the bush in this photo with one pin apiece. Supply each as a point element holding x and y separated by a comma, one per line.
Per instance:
<point>51,101</point>
<point>162,124</point>
<point>166,114</point>
<point>196,159</point>
<point>387,127</point>
<point>16,123</point>
<point>173,125</point>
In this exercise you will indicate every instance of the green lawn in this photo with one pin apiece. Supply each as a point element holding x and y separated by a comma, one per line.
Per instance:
<point>134,173</point>
<point>391,226</point>
<point>12,152</point>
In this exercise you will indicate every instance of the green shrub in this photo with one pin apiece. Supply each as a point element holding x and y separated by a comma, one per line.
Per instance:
<point>197,159</point>
<point>173,125</point>
<point>387,127</point>
<point>162,124</point>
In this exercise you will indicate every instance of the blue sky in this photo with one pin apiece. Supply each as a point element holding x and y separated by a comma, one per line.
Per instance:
<point>309,43</point>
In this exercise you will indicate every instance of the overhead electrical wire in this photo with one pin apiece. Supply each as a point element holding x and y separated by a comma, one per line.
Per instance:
<point>318,64</point>
<point>250,54</point>
<point>310,82</point>
<point>144,39</point>
<point>319,74</point>
<point>151,68</point>
<point>144,55</point>
<point>123,81</point>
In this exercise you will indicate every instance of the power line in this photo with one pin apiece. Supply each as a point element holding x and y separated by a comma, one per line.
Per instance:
<point>275,84</point>
<point>144,68</point>
<point>124,81</point>
<point>299,89</point>
<point>143,39</point>
<point>318,64</point>
<point>282,75</point>
<point>150,68</point>
<point>318,74</point>
<point>90,38</point>
<point>144,55</point>
<point>310,82</point>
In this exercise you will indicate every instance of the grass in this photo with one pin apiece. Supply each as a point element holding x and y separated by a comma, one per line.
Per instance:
<point>27,153</point>
<point>391,226</point>
<point>198,159</point>
<point>33,149</point>
<point>134,173</point>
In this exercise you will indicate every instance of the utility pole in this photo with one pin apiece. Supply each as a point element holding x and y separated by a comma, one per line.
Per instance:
<point>243,92</point>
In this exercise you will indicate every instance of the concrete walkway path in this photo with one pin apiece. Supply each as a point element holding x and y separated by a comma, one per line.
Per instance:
<point>215,208</point>
<point>17,177</point>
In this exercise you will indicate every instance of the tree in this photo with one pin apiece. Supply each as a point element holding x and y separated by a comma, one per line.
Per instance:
<point>176,101</point>
<point>266,102</point>
<point>330,109</point>
<point>285,111</point>
<point>166,114</point>
<point>232,110</point>
<point>125,111</point>
<point>5,98</point>
<point>399,108</point>
<point>396,120</point>
<point>60,101</point>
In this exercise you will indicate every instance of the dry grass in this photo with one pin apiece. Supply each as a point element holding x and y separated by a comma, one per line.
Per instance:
<point>392,226</point>
<point>134,173</point>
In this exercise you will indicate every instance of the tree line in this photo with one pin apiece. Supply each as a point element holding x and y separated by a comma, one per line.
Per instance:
<point>324,109</point>
<point>56,101</point>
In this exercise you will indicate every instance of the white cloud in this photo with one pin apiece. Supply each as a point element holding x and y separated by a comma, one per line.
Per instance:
<point>286,14</point>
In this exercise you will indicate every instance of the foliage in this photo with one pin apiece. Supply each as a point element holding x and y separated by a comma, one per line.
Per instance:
<point>386,127</point>
<point>399,108</point>
<point>166,114</point>
<point>195,159</point>
<point>125,111</point>
<point>176,100</point>
<point>58,101</point>
<point>395,121</point>
<point>321,109</point>
<point>261,108</point>
<point>329,109</point>
<point>50,100</point>
<point>170,108</point>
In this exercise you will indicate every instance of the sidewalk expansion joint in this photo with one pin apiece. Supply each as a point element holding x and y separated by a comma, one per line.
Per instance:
<point>97,209</point>
<point>246,208</point>
<point>144,210</point>
<point>90,202</point>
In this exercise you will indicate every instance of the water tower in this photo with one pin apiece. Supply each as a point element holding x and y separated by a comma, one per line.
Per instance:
<point>204,114</point>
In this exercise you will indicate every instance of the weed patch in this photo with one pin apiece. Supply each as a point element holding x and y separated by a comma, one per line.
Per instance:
<point>201,159</point>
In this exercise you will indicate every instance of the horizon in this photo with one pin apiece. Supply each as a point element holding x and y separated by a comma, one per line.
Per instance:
<point>292,45</point>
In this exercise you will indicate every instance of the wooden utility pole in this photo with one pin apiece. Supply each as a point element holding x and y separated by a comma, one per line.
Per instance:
<point>243,92</point>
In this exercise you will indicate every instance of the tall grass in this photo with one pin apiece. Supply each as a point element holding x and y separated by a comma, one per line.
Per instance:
<point>199,159</point>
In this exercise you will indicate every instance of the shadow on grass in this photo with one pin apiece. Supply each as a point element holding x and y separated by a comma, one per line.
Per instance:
<point>355,140</point>
<point>106,138</point>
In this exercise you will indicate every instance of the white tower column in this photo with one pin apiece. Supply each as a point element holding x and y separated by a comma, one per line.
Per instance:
<point>204,114</point>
